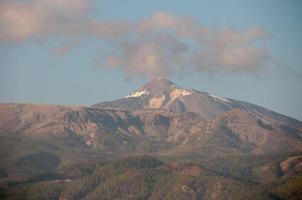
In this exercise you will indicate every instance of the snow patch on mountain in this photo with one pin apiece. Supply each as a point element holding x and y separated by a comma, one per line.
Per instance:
<point>178,93</point>
<point>156,102</point>
<point>138,93</point>
<point>220,98</point>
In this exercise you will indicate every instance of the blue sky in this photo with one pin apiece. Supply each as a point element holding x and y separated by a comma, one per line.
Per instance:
<point>44,65</point>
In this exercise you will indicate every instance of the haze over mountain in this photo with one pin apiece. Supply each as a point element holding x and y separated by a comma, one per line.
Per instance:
<point>46,143</point>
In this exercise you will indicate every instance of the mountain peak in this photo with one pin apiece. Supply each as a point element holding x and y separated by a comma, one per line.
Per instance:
<point>154,87</point>
<point>160,83</point>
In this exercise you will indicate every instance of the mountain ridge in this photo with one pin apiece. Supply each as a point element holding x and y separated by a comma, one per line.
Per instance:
<point>157,126</point>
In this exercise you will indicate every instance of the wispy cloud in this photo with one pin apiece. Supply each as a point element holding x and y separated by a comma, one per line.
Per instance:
<point>165,43</point>
<point>159,45</point>
<point>40,19</point>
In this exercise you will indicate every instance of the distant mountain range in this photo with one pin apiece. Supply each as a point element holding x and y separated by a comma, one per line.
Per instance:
<point>159,119</point>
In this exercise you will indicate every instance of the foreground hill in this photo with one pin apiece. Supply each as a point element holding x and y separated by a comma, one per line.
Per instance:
<point>146,177</point>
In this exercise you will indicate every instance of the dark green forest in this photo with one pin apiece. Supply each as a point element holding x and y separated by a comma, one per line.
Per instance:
<point>66,170</point>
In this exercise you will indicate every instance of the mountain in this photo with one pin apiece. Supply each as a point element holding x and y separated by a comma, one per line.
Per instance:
<point>190,141</point>
<point>163,118</point>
